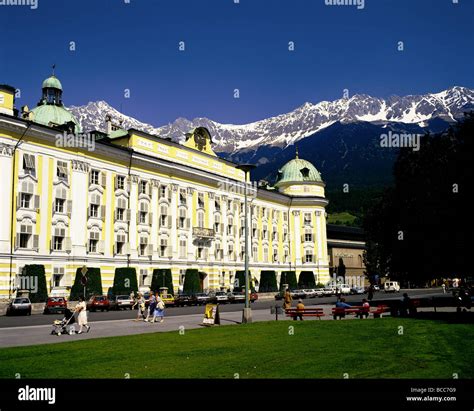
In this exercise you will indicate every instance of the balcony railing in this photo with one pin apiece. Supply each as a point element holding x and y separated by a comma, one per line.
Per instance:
<point>202,232</point>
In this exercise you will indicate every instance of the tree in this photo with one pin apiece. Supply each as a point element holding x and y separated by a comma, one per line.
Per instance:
<point>33,278</point>
<point>306,280</point>
<point>162,278</point>
<point>268,282</point>
<point>125,281</point>
<point>416,231</point>
<point>289,278</point>
<point>94,284</point>
<point>192,284</point>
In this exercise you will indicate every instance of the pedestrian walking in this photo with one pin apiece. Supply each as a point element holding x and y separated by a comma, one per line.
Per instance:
<point>140,304</point>
<point>159,309</point>
<point>288,299</point>
<point>151,307</point>
<point>81,315</point>
<point>443,286</point>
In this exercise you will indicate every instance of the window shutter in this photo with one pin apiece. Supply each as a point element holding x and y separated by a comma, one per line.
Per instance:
<point>36,202</point>
<point>35,242</point>
<point>100,246</point>
<point>150,218</point>
<point>102,213</point>
<point>126,248</point>
<point>150,249</point>
<point>69,207</point>
<point>116,182</point>
<point>128,215</point>
<point>103,179</point>
<point>127,185</point>
<point>169,221</point>
<point>18,201</point>
<point>68,244</point>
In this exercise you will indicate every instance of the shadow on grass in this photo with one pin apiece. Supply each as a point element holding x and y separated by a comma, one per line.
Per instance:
<point>463,317</point>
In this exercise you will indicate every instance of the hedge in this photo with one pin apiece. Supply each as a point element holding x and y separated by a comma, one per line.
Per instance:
<point>94,284</point>
<point>162,277</point>
<point>36,280</point>
<point>306,280</point>
<point>125,281</point>
<point>268,282</point>
<point>288,277</point>
<point>192,283</point>
<point>240,275</point>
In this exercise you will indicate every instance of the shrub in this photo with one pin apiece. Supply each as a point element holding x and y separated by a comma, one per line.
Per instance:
<point>268,282</point>
<point>240,275</point>
<point>94,284</point>
<point>288,277</point>
<point>320,285</point>
<point>36,279</point>
<point>125,281</point>
<point>162,277</point>
<point>192,284</point>
<point>306,280</point>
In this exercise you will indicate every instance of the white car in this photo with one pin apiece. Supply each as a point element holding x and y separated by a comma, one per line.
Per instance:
<point>328,291</point>
<point>221,297</point>
<point>391,287</point>
<point>319,292</point>
<point>344,288</point>
<point>309,293</point>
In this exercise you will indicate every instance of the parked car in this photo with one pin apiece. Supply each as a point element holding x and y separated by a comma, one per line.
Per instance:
<point>357,290</point>
<point>202,298</point>
<point>391,287</point>
<point>121,302</point>
<point>298,294</point>
<point>98,302</point>
<point>309,293</point>
<point>167,297</point>
<point>344,288</point>
<point>185,299</point>
<point>236,297</point>
<point>319,292</point>
<point>376,287</point>
<point>328,291</point>
<point>20,305</point>
<point>55,305</point>
<point>220,297</point>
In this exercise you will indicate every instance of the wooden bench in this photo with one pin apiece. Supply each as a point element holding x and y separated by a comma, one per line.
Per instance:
<point>359,311</point>
<point>307,312</point>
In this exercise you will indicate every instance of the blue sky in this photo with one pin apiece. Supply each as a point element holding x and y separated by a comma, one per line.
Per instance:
<point>245,46</point>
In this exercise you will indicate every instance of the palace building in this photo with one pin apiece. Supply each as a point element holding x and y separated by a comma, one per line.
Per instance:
<point>146,202</point>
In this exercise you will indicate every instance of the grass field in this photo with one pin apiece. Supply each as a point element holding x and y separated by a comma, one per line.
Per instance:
<point>317,349</point>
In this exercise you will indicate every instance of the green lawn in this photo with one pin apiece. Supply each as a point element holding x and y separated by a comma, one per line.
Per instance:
<point>342,218</point>
<point>318,349</point>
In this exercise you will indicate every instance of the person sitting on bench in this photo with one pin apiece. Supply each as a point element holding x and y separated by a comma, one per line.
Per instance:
<point>342,303</point>
<point>299,310</point>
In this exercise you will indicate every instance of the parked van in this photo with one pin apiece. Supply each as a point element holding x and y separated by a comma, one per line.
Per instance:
<point>391,287</point>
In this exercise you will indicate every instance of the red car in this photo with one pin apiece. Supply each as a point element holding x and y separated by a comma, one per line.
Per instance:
<point>55,305</point>
<point>98,302</point>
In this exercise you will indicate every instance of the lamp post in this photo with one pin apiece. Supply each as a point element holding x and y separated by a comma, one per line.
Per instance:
<point>247,313</point>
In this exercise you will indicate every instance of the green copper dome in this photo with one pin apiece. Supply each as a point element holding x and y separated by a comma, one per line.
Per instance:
<point>298,170</point>
<point>50,113</point>
<point>52,82</point>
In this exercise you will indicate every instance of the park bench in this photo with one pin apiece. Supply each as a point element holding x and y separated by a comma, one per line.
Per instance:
<point>307,312</point>
<point>359,311</point>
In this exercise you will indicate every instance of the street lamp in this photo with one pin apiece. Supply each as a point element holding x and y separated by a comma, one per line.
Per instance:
<point>247,313</point>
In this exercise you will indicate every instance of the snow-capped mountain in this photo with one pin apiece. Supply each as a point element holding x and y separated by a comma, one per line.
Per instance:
<point>308,119</point>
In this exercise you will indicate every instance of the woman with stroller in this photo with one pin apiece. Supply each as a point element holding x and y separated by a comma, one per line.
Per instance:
<point>81,314</point>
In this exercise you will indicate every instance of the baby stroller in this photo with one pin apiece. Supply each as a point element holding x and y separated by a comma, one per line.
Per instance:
<point>65,326</point>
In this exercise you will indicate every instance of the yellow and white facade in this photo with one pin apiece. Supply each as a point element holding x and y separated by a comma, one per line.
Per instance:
<point>142,201</point>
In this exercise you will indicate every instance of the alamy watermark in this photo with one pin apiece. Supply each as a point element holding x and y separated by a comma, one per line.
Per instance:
<point>360,4</point>
<point>79,140</point>
<point>25,282</point>
<point>239,188</point>
<point>32,4</point>
<point>391,140</point>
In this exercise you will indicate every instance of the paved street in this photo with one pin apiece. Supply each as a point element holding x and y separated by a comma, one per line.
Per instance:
<point>33,330</point>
